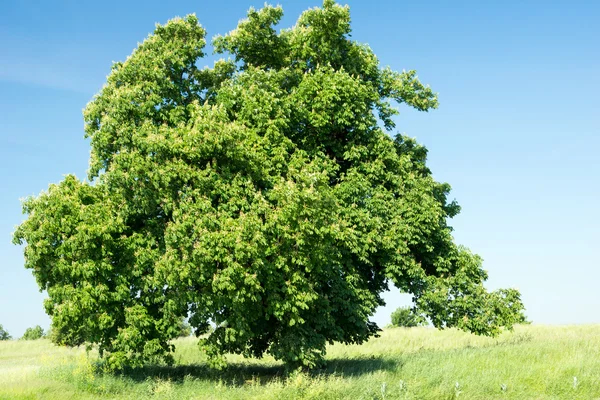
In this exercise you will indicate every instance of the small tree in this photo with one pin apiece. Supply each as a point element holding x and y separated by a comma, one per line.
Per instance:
<point>405,317</point>
<point>34,333</point>
<point>4,334</point>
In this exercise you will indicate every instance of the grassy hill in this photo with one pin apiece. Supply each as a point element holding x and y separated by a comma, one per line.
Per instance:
<point>533,362</point>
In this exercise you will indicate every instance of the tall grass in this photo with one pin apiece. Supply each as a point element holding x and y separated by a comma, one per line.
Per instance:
<point>533,362</point>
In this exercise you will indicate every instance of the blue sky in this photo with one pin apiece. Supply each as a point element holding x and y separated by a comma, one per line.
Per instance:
<point>516,135</point>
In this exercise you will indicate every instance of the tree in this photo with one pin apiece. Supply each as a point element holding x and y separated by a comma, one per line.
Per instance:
<point>262,195</point>
<point>185,329</point>
<point>34,333</point>
<point>4,334</point>
<point>405,317</point>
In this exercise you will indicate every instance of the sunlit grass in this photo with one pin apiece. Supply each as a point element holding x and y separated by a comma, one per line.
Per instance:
<point>533,362</point>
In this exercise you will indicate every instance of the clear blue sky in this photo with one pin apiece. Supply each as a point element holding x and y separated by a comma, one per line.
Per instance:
<point>516,135</point>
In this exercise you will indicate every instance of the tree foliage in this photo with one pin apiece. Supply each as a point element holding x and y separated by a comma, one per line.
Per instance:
<point>262,194</point>
<point>34,333</point>
<point>406,317</point>
<point>4,334</point>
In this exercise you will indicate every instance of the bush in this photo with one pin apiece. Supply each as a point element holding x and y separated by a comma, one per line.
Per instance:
<point>52,335</point>
<point>405,317</point>
<point>33,333</point>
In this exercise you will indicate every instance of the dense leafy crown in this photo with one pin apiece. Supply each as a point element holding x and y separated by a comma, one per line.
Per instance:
<point>262,195</point>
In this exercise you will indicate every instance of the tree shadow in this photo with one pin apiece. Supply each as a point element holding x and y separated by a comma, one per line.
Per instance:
<point>239,374</point>
<point>351,367</point>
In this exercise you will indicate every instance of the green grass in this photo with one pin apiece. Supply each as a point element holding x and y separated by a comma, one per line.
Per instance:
<point>533,362</point>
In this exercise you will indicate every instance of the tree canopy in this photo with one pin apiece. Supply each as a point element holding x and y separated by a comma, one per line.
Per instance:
<point>262,195</point>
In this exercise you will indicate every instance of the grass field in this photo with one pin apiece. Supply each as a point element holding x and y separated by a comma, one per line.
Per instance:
<point>533,362</point>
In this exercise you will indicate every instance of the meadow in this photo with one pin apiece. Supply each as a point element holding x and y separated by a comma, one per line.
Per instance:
<point>532,362</point>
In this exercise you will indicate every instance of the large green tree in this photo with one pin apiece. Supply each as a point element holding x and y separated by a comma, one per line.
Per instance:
<point>263,195</point>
